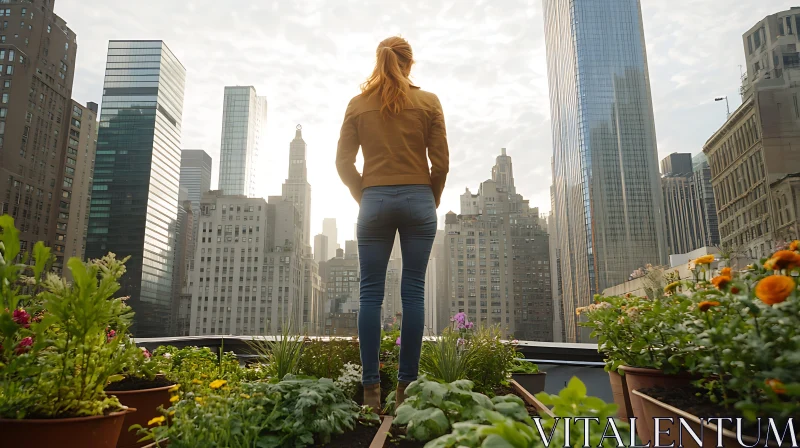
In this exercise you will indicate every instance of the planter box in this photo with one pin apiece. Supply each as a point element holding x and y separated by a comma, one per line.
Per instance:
<point>619,388</point>
<point>377,442</point>
<point>146,401</point>
<point>531,400</point>
<point>638,378</point>
<point>532,382</point>
<point>100,431</point>
<point>706,432</point>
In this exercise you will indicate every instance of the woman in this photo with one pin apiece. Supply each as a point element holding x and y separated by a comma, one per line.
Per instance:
<point>398,127</point>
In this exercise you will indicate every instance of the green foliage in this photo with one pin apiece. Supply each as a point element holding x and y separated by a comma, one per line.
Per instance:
<point>281,356</point>
<point>447,359</point>
<point>291,413</point>
<point>326,359</point>
<point>432,408</point>
<point>493,359</point>
<point>189,366</point>
<point>522,366</point>
<point>56,364</point>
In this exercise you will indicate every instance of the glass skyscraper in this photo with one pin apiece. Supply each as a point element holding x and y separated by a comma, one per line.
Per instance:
<point>244,117</point>
<point>134,206</point>
<point>608,206</point>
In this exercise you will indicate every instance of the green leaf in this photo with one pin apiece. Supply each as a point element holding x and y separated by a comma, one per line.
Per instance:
<point>427,424</point>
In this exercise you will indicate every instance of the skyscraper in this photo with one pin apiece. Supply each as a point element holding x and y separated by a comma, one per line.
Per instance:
<point>195,174</point>
<point>608,205</point>
<point>38,53</point>
<point>321,248</point>
<point>244,118</point>
<point>329,230</point>
<point>134,208</point>
<point>80,163</point>
<point>296,188</point>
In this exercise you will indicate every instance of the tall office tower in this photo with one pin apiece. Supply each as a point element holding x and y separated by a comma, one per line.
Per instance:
<point>351,249</point>
<point>312,312</point>
<point>296,188</point>
<point>342,284</point>
<point>499,260</point>
<point>37,51</point>
<point>134,208</point>
<point>80,164</point>
<point>329,230</point>
<point>753,160</point>
<point>180,252</point>
<point>607,193</point>
<point>321,248</point>
<point>244,120</point>
<point>195,179</point>
<point>690,215</point>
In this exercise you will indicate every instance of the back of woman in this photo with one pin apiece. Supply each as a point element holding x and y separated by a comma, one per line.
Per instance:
<point>398,127</point>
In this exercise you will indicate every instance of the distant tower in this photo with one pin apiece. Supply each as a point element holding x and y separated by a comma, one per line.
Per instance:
<point>244,117</point>
<point>329,230</point>
<point>296,188</point>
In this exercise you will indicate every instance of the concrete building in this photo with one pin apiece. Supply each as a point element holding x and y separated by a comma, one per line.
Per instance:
<point>690,213</point>
<point>321,248</point>
<point>439,260</point>
<point>499,267</point>
<point>248,275</point>
<point>38,54</point>
<point>608,207</point>
<point>296,188</point>
<point>351,249</point>
<point>329,230</point>
<point>342,284</point>
<point>244,120</point>
<point>183,243</point>
<point>312,313</point>
<point>753,155</point>
<point>196,167</point>
<point>79,163</point>
<point>134,206</point>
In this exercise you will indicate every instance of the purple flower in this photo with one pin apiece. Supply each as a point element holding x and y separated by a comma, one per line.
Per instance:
<point>469,325</point>
<point>462,341</point>
<point>461,318</point>
<point>397,341</point>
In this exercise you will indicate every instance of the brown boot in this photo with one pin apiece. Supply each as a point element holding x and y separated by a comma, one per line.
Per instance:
<point>372,397</point>
<point>400,395</point>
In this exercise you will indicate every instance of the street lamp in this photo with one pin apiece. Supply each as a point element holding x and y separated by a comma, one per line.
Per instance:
<point>727,107</point>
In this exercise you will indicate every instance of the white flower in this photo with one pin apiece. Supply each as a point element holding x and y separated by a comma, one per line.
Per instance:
<point>349,379</point>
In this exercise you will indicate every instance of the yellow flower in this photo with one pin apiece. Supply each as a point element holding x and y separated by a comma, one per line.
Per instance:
<point>245,396</point>
<point>174,388</point>
<point>705,259</point>
<point>216,384</point>
<point>199,400</point>
<point>174,399</point>
<point>672,287</point>
<point>157,420</point>
<point>196,381</point>
<point>775,288</point>
<point>171,413</point>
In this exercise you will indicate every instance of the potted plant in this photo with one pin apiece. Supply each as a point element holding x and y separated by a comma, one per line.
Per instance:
<point>143,386</point>
<point>527,374</point>
<point>54,356</point>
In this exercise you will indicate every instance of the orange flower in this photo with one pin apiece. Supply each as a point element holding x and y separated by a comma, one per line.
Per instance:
<point>794,245</point>
<point>776,386</point>
<point>783,259</point>
<point>726,272</point>
<point>706,304</point>
<point>705,259</point>
<point>775,288</point>
<point>721,281</point>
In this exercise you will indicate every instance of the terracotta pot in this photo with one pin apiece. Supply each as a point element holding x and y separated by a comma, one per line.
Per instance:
<point>100,431</point>
<point>706,432</point>
<point>532,382</point>
<point>619,388</point>
<point>146,402</point>
<point>638,378</point>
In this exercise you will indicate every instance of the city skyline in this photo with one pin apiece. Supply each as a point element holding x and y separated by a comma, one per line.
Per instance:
<point>311,84</point>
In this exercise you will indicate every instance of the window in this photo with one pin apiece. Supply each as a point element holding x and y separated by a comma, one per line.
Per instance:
<point>789,25</point>
<point>5,98</point>
<point>3,112</point>
<point>24,11</point>
<point>9,70</point>
<point>48,28</point>
<point>68,170</point>
<point>7,83</point>
<point>67,182</point>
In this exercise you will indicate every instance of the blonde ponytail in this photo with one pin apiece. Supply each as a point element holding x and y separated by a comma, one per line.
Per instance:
<point>389,79</point>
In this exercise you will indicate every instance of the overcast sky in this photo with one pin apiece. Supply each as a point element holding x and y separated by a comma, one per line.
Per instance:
<point>484,59</point>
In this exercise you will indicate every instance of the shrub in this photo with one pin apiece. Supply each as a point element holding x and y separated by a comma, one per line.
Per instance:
<point>326,359</point>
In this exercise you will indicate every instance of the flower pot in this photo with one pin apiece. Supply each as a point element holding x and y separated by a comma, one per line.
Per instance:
<point>532,382</point>
<point>619,389</point>
<point>638,378</point>
<point>146,402</point>
<point>101,431</point>
<point>705,431</point>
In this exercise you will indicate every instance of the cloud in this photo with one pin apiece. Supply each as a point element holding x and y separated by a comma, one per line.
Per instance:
<point>484,59</point>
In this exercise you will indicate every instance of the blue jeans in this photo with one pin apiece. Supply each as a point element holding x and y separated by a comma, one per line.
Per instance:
<point>385,210</point>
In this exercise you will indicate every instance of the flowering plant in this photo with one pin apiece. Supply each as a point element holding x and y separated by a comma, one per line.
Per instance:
<point>349,379</point>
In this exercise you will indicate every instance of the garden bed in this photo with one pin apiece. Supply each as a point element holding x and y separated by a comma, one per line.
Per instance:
<point>361,437</point>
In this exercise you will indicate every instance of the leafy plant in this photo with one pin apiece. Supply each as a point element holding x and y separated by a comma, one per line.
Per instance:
<point>446,359</point>
<point>493,359</point>
<point>523,367</point>
<point>431,408</point>
<point>349,379</point>
<point>326,359</point>
<point>280,357</point>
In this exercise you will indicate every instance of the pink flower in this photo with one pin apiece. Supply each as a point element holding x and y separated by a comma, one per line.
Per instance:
<point>24,345</point>
<point>469,325</point>
<point>146,353</point>
<point>110,335</point>
<point>461,341</point>
<point>397,341</point>
<point>22,318</point>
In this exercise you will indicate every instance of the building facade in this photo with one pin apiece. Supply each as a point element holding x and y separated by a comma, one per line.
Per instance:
<point>134,207</point>
<point>321,248</point>
<point>342,284</point>
<point>79,163</point>
<point>195,177</point>
<point>244,120</point>
<point>752,156</point>
<point>690,213</point>
<point>37,51</point>
<point>329,230</point>
<point>608,204</point>
<point>296,189</point>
